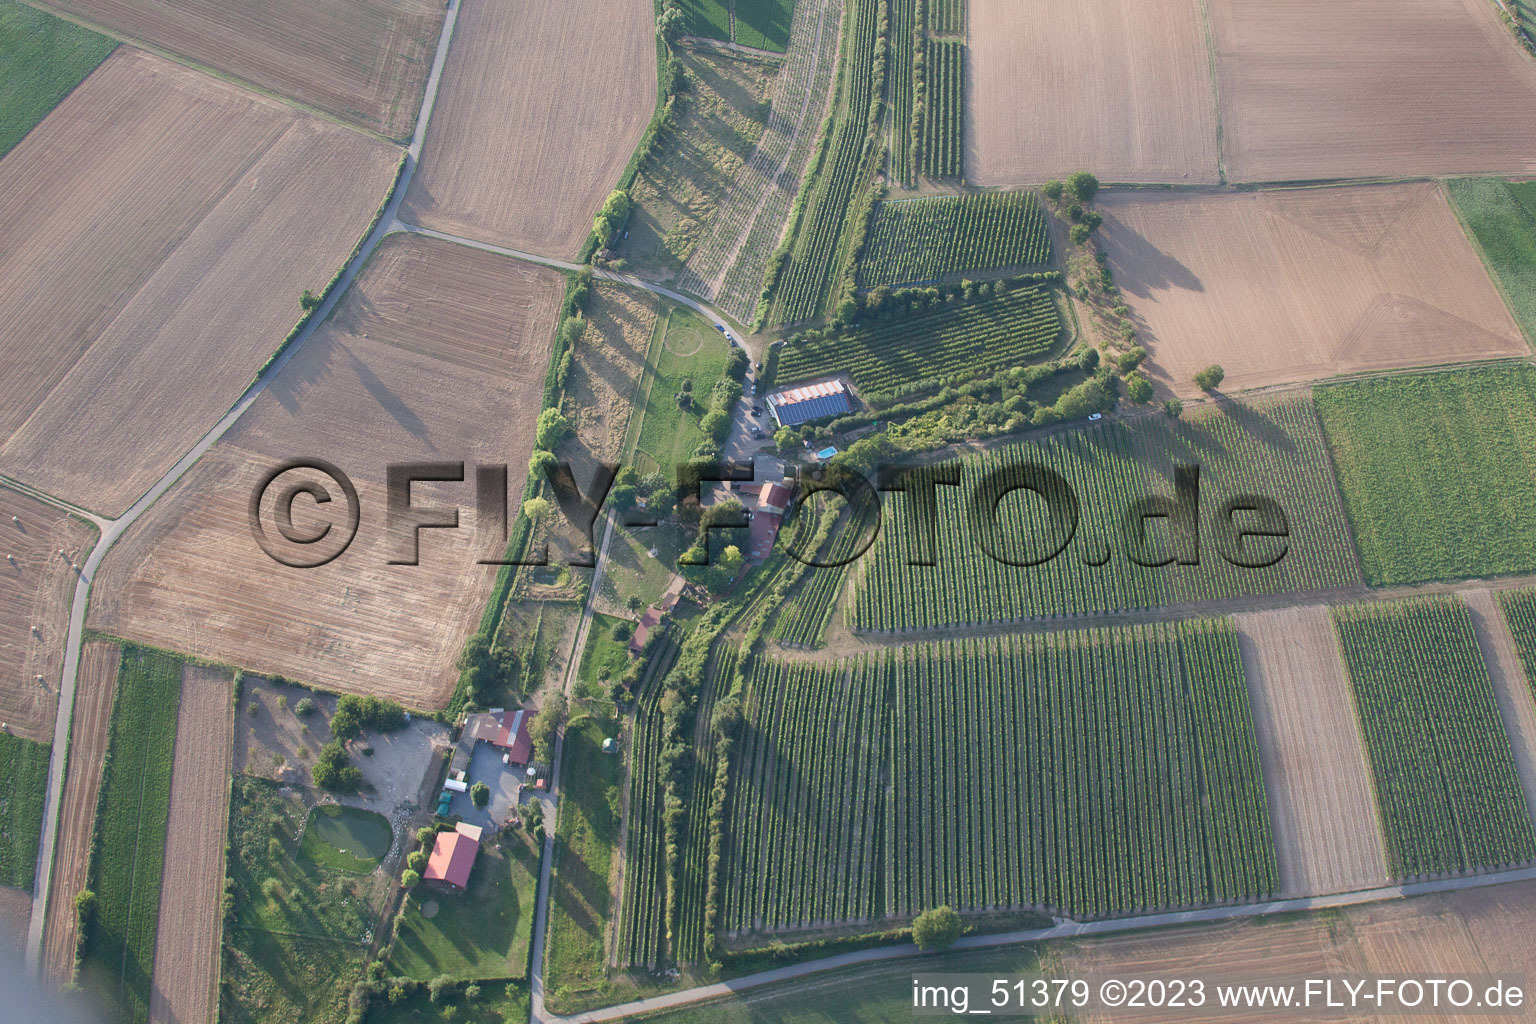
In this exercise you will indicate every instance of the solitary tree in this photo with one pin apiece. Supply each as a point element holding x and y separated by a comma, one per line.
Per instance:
<point>480,794</point>
<point>1052,190</point>
<point>308,301</point>
<point>409,879</point>
<point>1138,389</point>
<point>552,429</point>
<point>536,509</point>
<point>416,860</point>
<point>1173,407</point>
<point>1210,378</point>
<point>936,929</point>
<point>1083,185</point>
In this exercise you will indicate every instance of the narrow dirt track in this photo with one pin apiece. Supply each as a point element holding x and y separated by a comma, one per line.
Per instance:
<point>87,747</point>
<point>1327,836</point>
<point>187,946</point>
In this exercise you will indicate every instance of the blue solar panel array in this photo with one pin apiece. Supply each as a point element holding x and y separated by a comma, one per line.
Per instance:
<point>813,409</point>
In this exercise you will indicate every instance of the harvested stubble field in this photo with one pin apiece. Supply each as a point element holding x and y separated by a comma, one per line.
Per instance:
<point>35,592</point>
<point>88,731</point>
<point>366,61</point>
<point>1121,87</point>
<point>1474,932</point>
<point>1321,804</point>
<point>187,946</point>
<point>1314,89</point>
<point>155,233</point>
<point>1295,285</point>
<point>438,353</point>
<point>540,109</point>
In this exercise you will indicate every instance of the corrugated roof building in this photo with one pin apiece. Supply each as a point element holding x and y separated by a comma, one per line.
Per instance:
<point>794,406</point>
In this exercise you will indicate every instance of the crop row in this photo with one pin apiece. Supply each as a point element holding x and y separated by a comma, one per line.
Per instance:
<point>128,850</point>
<point>945,344</point>
<point>916,240</point>
<point>904,40</point>
<point>1519,607</point>
<point>801,284</point>
<point>806,797</point>
<point>642,935</point>
<point>946,17</point>
<point>1274,451</point>
<point>944,109</point>
<point>1445,775</point>
<point>1095,773</point>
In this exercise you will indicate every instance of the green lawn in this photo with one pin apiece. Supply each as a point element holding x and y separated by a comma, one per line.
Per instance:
<point>1501,219</point>
<point>574,974</point>
<point>483,933</point>
<point>295,944</point>
<point>1438,471</point>
<point>691,350</point>
<point>632,572</point>
<point>119,957</point>
<point>505,1002</point>
<point>605,658</point>
<point>764,24</point>
<point>346,838</point>
<point>23,779</point>
<point>42,58</point>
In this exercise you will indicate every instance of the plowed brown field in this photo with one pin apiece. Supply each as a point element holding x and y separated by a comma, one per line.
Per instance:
<point>88,732</point>
<point>187,944</point>
<point>366,61</point>
<point>1295,285</point>
<point>1327,837</point>
<point>540,108</point>
<point>438,353</point>
<point>1121,88</point>
<point>1315,89</point>
<point>36,587</point>
<point>156,230</point>
<point>1480,931</point>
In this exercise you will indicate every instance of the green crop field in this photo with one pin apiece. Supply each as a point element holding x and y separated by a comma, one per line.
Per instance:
<point>42,58</point>
<point>709,19</point>
<point>690,350</point>
<point>574,974</point>
<point>1519,607</point>
<point>1436,471</point>
<point>1445,775</point>
<point>1501,219</point>
<point>1274,449</point>
<point>118,962</point>
<point>916,240</point>
<point>802,286</point>
<point>980,775</point>
<point>944,344</point>
<point>300,928</point>
<point>23,780</point>
<point>481,933</point>
<point>764,24</point>
<point>346,839</point>
<point>943,139</point>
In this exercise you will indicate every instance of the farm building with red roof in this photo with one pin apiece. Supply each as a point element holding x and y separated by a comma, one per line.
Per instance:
<point>453,857</point>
